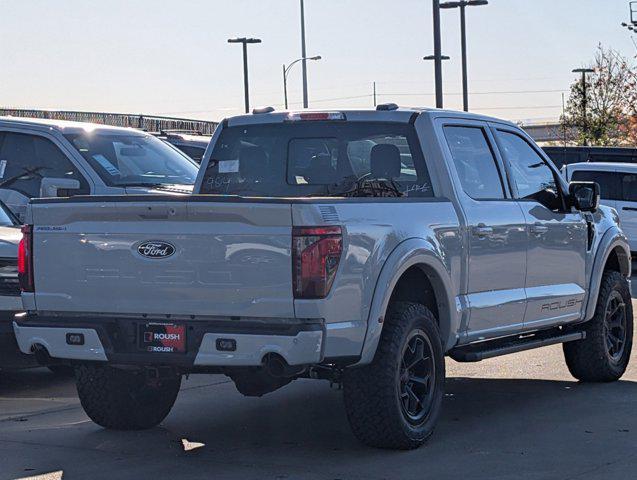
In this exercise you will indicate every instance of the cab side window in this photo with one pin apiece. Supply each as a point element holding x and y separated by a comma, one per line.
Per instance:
<point>629,187</point>
<point>474,162</point>
<point>26,159</point>
<point>530,174</point>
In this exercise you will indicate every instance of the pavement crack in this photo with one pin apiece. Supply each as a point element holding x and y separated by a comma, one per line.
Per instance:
<point>594,469</point>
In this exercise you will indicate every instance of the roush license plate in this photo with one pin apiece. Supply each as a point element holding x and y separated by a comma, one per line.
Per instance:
<point>162,338</point>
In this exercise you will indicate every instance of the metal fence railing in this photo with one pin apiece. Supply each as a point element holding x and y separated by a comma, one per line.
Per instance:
<point>150,123</point>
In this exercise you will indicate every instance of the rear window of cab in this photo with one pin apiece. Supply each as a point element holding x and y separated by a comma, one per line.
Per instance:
<point>315,158</point>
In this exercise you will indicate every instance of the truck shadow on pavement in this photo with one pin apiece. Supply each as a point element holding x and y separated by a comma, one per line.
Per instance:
<point>493,414</point>
<point>35,382</point>
<point>497,425</point>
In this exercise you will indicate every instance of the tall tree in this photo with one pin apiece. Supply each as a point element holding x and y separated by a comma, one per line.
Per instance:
<point>611,102</point>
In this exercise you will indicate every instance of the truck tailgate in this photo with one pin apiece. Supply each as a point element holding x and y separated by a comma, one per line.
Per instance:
<point>183,257</point>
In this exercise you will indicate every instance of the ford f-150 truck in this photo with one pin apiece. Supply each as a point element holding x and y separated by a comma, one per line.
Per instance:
<point>360,247</point>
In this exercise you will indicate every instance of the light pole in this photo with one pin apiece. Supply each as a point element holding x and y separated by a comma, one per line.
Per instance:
<point>286,70</point>
<point>437,57</point>
<point>303,56</point>
<point>245,41</point>
<point>462,5</point>
<point>584,71</point>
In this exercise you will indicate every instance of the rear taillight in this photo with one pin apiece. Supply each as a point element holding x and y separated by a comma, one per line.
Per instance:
<point>316,253</point>
<point>25,259</point>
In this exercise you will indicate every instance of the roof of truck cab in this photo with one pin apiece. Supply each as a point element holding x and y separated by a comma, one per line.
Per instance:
<point>400,114</point>
<point>65,126</point>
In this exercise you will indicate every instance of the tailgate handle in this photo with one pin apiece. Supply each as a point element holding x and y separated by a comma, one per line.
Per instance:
<point>158,212</point>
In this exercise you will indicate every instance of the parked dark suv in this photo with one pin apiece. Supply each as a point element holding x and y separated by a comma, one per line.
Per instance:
<point>566,155</point>
<point>192,143</point>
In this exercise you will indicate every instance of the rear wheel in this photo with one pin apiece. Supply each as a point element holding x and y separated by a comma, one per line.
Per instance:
<point>604,354</point>
<point>395,401</point>
<point>125,400</point>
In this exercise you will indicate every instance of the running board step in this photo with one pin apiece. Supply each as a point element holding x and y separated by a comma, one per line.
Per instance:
<point>503,346</point>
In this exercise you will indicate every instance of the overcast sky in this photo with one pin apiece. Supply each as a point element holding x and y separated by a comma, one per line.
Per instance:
<point>172,58</point>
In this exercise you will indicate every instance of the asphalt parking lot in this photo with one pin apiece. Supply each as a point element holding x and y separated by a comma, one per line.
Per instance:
<point>521,416</point>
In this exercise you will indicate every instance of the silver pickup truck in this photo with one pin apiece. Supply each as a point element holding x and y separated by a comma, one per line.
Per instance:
<point>360,247</point>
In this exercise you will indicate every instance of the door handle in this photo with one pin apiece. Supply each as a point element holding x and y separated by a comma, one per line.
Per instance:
<point>539,229</point>
<point>482,230</point>
<point>630,209</point>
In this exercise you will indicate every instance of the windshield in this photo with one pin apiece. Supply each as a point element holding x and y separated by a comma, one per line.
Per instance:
<point>133,159</point>
<point>316,158</point>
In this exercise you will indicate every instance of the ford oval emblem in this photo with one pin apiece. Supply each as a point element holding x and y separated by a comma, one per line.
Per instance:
<point>156,249</point>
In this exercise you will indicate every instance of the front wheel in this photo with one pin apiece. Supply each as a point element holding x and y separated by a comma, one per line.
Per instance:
<point>604,354</point>
<point>124,400</point>
<point>395,401</point>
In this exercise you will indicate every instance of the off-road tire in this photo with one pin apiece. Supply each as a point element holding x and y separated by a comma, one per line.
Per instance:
<point>372,392</point>
<point>124,400</point>
<point>589,360</point>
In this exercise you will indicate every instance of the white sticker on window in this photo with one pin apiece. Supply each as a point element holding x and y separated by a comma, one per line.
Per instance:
<point>3,167</point>
<point>108,166</point>
<point>229,166</point>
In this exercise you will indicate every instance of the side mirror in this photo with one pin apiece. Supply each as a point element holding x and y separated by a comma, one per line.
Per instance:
<point>584,195</point>
<point>58,187</point>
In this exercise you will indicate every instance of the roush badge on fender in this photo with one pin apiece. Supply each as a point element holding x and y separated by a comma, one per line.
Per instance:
<point>156,249</point>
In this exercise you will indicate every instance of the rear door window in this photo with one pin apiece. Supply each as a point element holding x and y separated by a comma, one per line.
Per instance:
<point>315,158</point>
<point>474,161</point>
<point>609,182</point>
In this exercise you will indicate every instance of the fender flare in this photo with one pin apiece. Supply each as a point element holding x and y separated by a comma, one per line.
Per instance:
<point>411,252</point>
<point>611,239</point>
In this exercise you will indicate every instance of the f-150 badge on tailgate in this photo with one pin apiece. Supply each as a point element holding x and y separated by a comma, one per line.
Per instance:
<point>156,249</point>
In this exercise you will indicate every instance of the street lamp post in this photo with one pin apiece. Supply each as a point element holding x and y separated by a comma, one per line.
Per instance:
<point>462,5</point>
<point>245,41</point>
<point>303,56</point>
<point>437,57</point>
<point>286,70</point>
<point>584,71</point>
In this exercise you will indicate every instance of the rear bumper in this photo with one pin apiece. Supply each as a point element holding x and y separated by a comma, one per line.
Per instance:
<point>116,341</point>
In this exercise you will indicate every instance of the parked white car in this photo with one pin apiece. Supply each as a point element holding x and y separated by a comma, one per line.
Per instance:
<point>55,158</point>
<point>618,184</point>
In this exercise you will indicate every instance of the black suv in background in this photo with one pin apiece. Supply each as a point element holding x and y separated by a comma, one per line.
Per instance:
<point>566,155</point>
<point>192,143</point>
